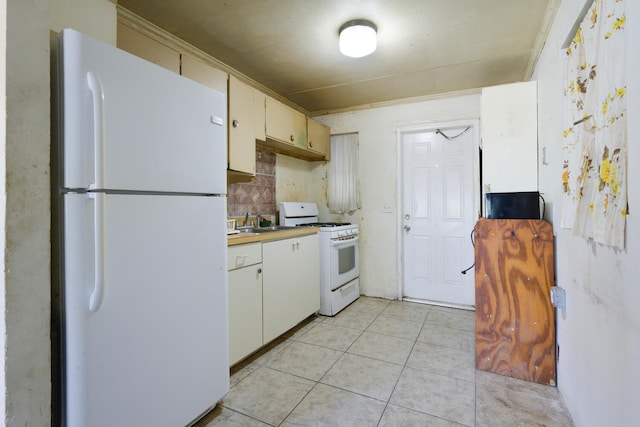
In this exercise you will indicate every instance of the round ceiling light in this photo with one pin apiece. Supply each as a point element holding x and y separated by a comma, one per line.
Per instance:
<point>358,38</point>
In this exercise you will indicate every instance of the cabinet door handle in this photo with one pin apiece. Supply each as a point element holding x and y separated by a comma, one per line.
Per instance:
<point>240,260</point>
<point>259,271</point>
<point>293,138</point>
<point>235,123</point>
<point>311,144</point>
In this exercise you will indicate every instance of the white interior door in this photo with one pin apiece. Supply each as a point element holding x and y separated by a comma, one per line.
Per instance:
<point>438,214</point>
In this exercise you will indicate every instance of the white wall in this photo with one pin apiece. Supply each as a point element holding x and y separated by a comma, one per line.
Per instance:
<point>599,332</point>
<point>3,198</point>
<point>26,254</point>
<point>97,18</point>
<point>293,183</point>
<point>378,175</point>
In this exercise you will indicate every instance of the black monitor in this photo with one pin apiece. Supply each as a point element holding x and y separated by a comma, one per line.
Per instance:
<point>519,205</point>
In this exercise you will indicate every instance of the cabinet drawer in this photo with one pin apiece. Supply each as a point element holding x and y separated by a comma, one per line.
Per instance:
<point>244,255</point>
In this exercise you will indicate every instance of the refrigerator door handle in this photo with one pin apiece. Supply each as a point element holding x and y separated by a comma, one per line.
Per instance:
<point>95,85</point>
<point>95,299</point>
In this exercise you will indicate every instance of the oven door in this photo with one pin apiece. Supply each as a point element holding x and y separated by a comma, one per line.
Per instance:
<point>345,261</point>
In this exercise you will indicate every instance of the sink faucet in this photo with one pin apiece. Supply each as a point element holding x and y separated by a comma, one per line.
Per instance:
<point>246,219</point>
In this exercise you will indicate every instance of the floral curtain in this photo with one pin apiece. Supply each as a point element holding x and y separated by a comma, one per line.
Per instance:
<point>594,177</point>
<point>342,174</point>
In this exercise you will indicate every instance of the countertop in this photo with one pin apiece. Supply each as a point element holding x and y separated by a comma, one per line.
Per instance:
<point>241,238</point>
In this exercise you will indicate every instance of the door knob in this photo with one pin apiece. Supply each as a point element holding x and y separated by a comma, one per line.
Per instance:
<point>406,228</point>
<point>407,217</point>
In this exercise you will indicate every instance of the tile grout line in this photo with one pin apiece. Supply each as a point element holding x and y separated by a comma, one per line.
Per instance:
<point>360,332</point>
<point>404,366</point>
<point>377,315</point>
<point>318,381</point>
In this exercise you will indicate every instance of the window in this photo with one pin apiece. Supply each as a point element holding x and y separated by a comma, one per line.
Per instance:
<point>342,176</point>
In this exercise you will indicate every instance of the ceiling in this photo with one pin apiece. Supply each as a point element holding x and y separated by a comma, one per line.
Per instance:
<point>425,47</point>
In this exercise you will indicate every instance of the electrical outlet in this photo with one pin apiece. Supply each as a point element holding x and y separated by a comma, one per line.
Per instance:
<point>558,297</point>
<point>386,208</point>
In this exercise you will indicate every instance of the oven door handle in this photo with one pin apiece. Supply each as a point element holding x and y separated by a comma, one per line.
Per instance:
<point>346,242</point>
<point>347,287</point>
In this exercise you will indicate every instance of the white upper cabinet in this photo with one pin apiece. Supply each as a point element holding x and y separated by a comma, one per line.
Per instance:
<point>509,129</point>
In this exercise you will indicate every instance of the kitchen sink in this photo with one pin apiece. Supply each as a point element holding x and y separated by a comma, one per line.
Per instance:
<point>272,228</point>
<point>258,230</point>
<point>247,231</point>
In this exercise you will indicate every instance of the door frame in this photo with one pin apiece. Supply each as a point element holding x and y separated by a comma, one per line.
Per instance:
<point>431,127</point>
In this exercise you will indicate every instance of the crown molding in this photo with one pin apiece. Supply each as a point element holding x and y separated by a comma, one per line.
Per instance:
<point>130,19</point>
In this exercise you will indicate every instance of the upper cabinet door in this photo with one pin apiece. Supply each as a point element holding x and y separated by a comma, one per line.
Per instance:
<point>285,124</point>
<point>509,121</point>
<point>203,73</point>
<point>242,142</point>
<point>319,136</point>
<point>146,48</point>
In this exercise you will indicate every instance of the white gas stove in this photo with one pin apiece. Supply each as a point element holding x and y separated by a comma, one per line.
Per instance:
<point>339,255</point>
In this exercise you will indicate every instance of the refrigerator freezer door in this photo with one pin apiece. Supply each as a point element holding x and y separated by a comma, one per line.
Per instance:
<point>131,125</point>
<point>154,350</point>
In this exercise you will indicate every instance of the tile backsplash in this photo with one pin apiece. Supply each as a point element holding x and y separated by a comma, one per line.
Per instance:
<point>258,196</point>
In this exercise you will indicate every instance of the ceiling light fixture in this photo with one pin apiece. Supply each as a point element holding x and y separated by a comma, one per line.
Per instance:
<point>358,38</point>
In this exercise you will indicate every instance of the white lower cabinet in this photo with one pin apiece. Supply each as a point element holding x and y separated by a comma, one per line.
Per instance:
<point>273,286</point>
<point>245,300</point>
<point>291,283</point>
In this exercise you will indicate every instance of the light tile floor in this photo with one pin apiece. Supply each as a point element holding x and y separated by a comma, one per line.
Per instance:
<point>381,363</point>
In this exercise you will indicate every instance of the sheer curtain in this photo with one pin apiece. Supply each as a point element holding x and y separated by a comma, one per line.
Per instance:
<point>342,175</point>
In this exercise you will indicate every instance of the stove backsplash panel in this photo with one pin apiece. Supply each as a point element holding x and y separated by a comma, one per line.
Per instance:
<point>257,197</point>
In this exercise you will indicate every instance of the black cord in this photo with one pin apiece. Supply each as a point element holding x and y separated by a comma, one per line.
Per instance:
<point>465,271</point>
<point>474,263</point>
<point>449,138</point>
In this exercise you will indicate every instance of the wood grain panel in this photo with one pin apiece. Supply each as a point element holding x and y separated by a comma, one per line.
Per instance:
<point>515,321</point>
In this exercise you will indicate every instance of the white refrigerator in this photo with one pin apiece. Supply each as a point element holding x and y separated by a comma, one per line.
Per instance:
<point>140,287</point>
